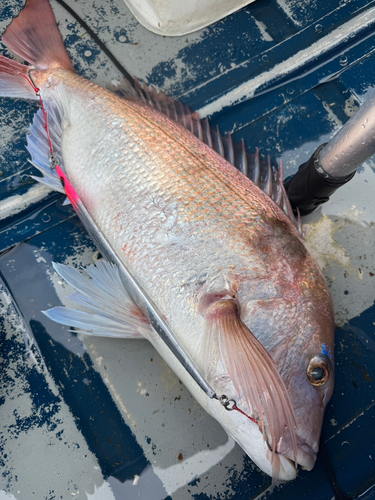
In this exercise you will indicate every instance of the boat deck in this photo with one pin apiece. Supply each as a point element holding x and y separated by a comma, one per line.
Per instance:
<point>105,419</point>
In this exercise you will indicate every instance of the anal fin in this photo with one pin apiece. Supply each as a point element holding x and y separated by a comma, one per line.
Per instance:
<point>108,311</point>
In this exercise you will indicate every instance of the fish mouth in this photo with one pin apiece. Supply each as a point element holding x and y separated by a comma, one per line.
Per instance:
<point>306,457</point>
<point>306,453</point>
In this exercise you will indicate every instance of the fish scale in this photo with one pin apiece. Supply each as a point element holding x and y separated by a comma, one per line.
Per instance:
<point>183,187</point>
<point>152,273</point>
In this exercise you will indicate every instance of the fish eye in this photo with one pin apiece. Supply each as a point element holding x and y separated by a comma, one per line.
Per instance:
<point>318,370</point>
<point>318,373</point>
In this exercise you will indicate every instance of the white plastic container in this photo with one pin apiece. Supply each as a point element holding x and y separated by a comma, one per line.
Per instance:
<point>179,17</point>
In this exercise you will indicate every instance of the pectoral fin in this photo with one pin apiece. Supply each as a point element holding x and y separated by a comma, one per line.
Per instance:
<point>252,370</point>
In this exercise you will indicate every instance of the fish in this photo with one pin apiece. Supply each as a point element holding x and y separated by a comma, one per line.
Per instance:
<point>194,248</point>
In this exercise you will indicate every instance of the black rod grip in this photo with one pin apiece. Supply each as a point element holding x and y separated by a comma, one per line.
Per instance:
<point>311,185</point>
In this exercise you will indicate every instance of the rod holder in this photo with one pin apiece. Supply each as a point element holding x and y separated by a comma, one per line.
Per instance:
<point>334,164</point>
<point>311,185</point>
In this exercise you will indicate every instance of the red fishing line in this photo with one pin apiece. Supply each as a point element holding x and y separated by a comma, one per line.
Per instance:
<point>230,404</point>
<point>37,92</point>
<point>234,407</point>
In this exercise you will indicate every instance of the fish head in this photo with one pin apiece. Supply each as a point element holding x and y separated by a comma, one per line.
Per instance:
<point>305,363</point>
<point>302,346</point>
<point>310,386</point>
<point>296,326</point>
<point>284,379</point>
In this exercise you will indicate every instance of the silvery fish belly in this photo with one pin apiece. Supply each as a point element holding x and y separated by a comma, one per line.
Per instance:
<point>225,267</point>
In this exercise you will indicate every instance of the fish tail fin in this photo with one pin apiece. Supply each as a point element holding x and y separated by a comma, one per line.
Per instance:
<point>35,37</point>
<point>252,370</point>
<point>13,80</point>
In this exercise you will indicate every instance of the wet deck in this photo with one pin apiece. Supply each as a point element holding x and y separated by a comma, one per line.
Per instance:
<point>107,419</point>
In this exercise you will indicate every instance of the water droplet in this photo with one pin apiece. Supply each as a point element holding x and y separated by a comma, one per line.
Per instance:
<point>87,53</point>
<point>265,58</point>
<point>46,218</point>
<point>363,142</point>
<point>25,178</point>
<point>343,60</point>
<point>290,91</point>
<point>363,125</point>
<point>318,28</point>
<point>122,38</point>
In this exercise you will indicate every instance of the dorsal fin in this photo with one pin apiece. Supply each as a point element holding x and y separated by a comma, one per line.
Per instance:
<point>260,172</point>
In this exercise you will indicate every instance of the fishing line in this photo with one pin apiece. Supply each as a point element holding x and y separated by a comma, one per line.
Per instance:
<point>339,494</point>
<point>235,407</point>
<point>230,404</point>
<point>37,93</point>
<point>97,40</point>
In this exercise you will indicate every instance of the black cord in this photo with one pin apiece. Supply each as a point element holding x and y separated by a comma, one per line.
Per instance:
<point>95,37</point>
<point>339,494</point>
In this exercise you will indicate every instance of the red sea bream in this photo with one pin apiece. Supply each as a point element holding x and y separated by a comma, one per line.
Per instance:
<point>225,267</point>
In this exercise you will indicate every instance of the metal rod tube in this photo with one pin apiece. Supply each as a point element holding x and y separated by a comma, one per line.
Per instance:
<point>353,144</point>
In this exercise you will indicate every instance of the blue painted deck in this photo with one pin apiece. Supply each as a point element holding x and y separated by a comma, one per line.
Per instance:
<point>106,419</point>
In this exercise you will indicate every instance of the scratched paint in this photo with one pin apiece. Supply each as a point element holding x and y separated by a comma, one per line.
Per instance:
<point>348,268</point>
<point>248,89</point>
<point>40,422</point>
<point>178,67</point>
<point>300,13</point>
<point>333,234</point>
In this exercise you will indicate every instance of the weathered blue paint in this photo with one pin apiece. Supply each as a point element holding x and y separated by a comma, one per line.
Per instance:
<point>287,118</point>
